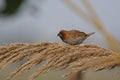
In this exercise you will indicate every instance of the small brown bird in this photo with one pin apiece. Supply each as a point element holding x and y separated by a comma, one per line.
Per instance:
<point>73,37</point>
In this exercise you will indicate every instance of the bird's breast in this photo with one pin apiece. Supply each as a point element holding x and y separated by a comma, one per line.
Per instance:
<point>75,41</point>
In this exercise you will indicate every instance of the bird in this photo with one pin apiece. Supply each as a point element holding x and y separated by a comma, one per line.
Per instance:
<point>73,37</point>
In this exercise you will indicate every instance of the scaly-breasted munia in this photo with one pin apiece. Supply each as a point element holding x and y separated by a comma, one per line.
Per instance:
<point>73,37</point>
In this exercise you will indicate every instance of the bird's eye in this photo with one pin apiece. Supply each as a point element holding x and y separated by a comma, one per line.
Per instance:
<point>60,35</point>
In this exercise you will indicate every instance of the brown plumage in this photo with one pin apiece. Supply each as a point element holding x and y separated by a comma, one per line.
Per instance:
<point>73,37</point>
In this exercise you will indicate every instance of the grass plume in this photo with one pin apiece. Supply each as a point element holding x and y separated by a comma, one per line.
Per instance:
<point>81,57</point>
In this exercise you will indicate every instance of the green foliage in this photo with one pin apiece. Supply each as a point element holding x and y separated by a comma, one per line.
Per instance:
<point>11,7</point>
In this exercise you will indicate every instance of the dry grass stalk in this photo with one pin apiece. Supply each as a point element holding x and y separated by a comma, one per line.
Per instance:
<point>81,57</point>
<point>93,19</point>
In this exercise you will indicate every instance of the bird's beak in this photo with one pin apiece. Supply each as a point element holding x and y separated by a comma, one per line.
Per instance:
<point>58,34</point>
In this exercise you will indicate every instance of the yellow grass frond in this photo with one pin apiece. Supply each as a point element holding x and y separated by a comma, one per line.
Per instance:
<point>81,57</point>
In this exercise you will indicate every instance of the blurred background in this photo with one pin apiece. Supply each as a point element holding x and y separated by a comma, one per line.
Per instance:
<point>34,21</point>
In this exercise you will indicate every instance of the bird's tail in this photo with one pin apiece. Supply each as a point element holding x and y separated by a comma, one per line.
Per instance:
<point>89,34</point>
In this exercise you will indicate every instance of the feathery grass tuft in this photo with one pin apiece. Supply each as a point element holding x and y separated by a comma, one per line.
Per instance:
<point>81,57</point>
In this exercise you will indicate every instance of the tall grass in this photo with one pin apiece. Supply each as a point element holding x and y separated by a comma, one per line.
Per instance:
<point>81,57</point>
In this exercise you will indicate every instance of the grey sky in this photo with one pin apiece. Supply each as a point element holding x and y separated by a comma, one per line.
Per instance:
<point>41,21</point>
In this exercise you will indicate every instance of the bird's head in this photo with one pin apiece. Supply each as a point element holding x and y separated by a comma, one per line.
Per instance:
<point>61,34</point>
